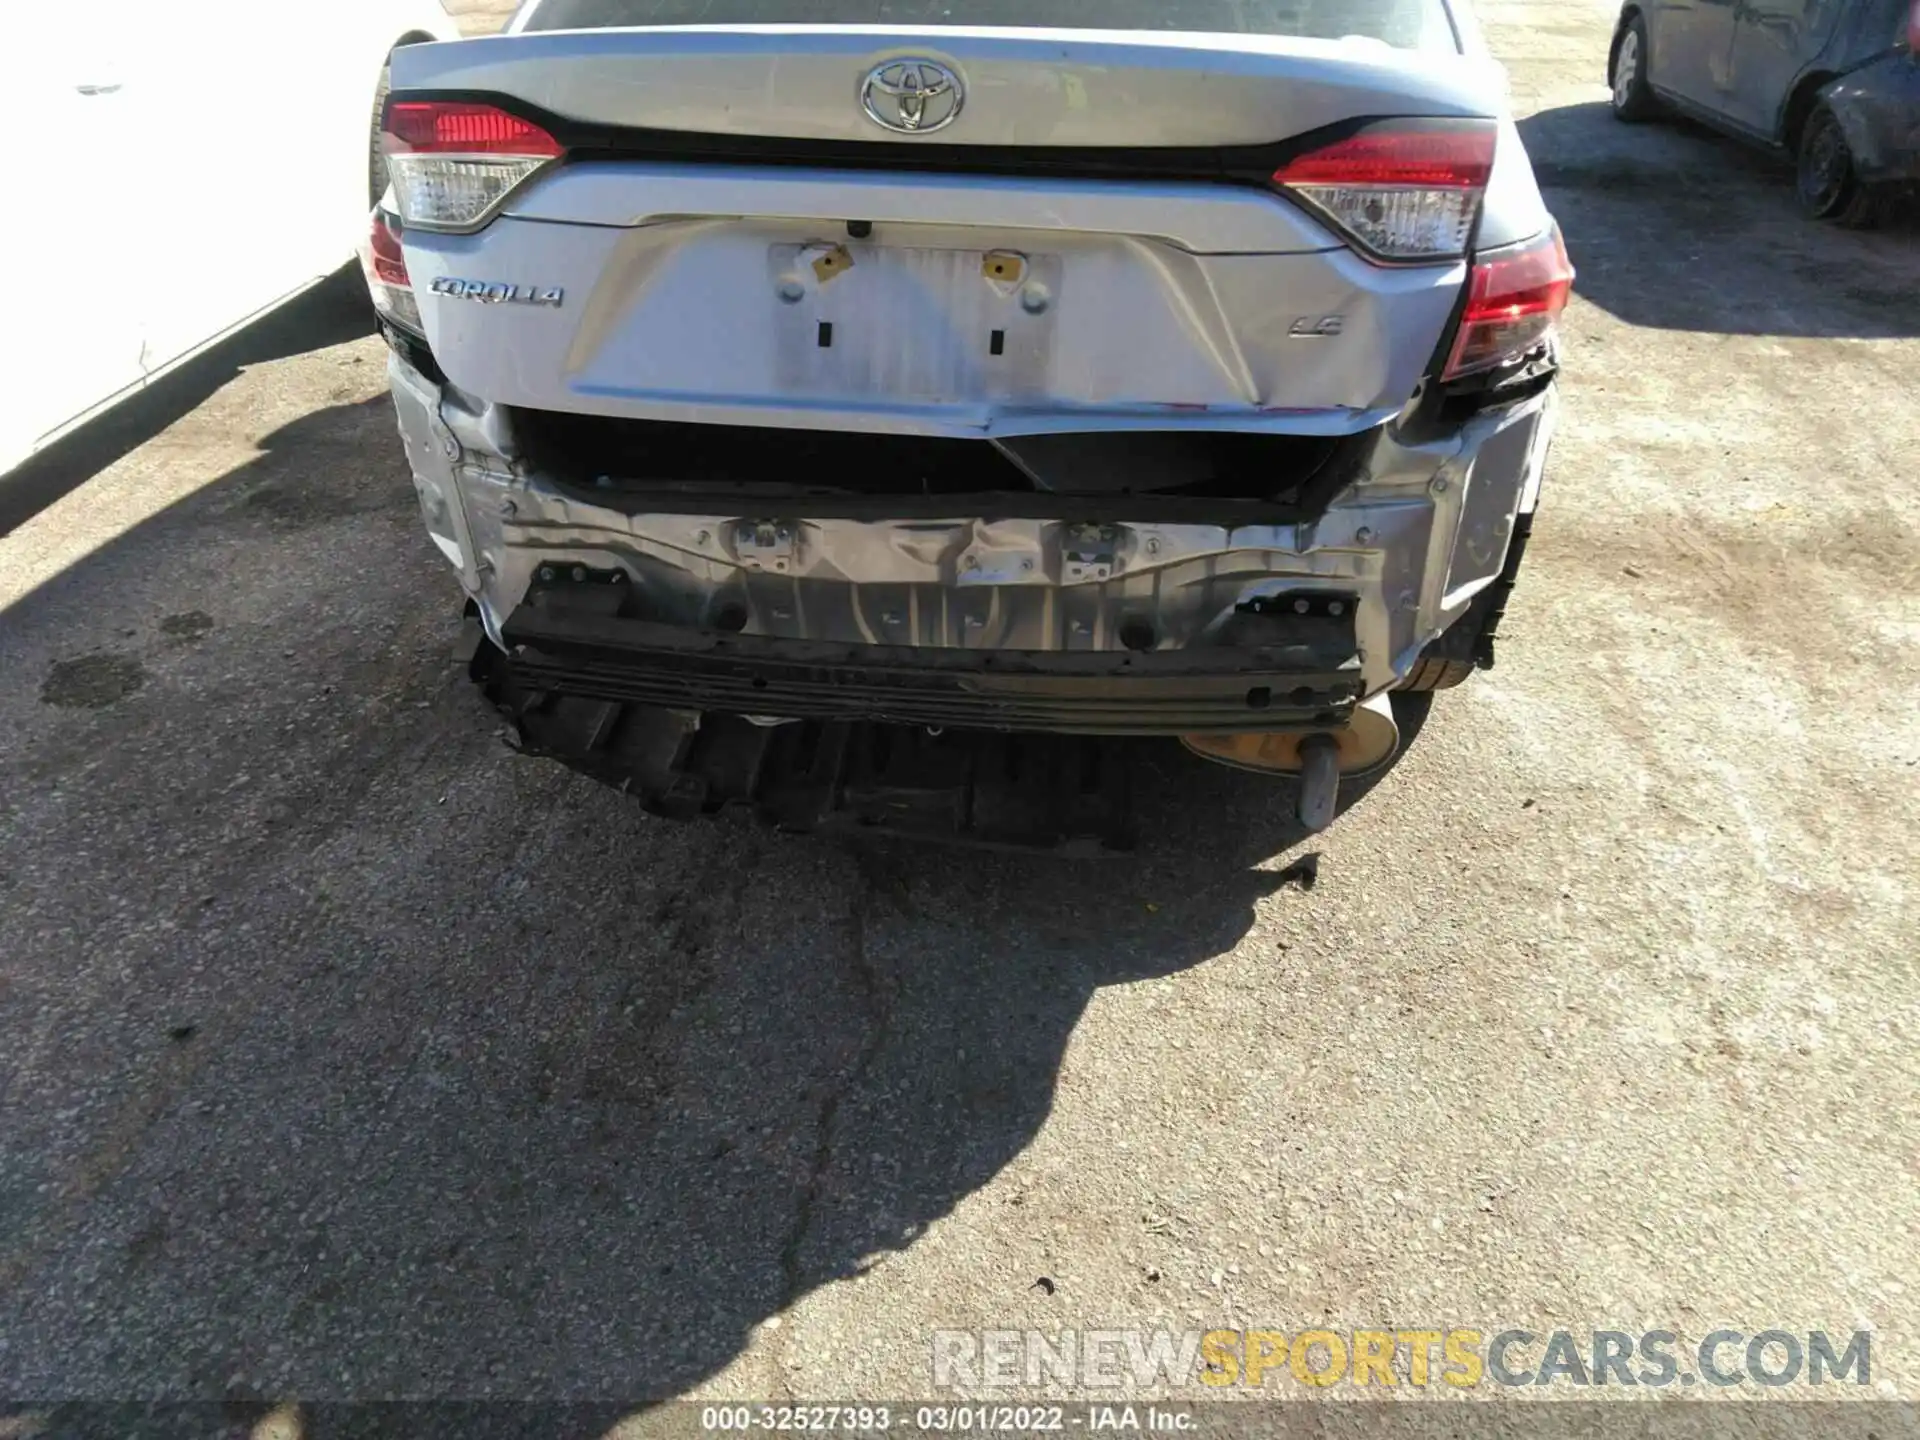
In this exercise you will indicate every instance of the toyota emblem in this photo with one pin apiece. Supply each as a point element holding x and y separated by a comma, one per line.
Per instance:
<point>912,96</point>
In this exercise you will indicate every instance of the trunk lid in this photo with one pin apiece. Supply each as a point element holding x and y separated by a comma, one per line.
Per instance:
<point>1088,244</point>
<point>1040,88</point>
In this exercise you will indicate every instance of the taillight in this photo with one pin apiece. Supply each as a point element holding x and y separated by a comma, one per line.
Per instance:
<point>385,264</point>
<point>1404,191</point>
<point>1913,30</point>
<point>453,161</point>
<point>1514,300</point>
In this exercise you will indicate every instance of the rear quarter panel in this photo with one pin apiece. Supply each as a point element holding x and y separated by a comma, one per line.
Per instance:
<point>1514,209</point>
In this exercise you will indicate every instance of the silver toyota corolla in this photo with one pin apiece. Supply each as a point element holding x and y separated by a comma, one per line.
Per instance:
<point>1112,367</point>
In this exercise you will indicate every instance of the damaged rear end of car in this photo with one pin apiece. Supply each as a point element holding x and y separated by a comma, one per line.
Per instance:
<point>768,384</point>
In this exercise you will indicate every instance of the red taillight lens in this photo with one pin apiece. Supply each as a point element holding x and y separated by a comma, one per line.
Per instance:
<point>389,261</point>
<point>1913,30</point>
<point>1404,191</point>
<point>1421,159</point>
<point>439,127</point>
<point>1514,300</point>
<point>454,161</point>
<point>385,264</point>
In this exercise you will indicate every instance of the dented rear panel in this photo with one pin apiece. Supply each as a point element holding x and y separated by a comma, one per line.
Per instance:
<point>985,375</point>
<point>997,329</point>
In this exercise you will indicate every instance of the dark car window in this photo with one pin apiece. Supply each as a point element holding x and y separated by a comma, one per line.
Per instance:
<point>1870,26</point>
<point>1408,24</point>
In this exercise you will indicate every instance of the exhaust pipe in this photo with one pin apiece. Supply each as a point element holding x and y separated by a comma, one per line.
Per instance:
<point>1319,757</point>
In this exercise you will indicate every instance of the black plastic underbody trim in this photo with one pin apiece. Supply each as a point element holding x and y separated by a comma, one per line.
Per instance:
<point>1066,794</point>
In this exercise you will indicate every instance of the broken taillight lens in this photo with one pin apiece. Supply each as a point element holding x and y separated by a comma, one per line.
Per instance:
<point>1514,300</point>
<point>385,264</point>
<point>1403,191</point>
<point>453,161</point>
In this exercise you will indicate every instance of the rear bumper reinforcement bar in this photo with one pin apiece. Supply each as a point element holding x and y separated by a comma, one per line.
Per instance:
<point>1283,668</point>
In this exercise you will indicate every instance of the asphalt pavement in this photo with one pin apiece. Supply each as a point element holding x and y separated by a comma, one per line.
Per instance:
<point>346,1054</point>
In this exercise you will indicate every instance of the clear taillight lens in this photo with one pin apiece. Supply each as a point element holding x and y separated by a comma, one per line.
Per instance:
<point>453,161</point>
<point>1514,301</point>
<point>385,264</point>
<point>1403,192</point>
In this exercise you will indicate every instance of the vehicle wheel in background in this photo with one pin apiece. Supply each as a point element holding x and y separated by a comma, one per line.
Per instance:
<point>1435,672</point>
<point>1829,188</point>
<point>1633,98</point>
<point>376,157</point>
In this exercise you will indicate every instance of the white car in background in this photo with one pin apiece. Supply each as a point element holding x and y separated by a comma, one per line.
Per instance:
<point>190,164</point>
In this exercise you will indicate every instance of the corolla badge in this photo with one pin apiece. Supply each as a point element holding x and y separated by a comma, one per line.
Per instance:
<point>494,293</point>
<point>912,96</point>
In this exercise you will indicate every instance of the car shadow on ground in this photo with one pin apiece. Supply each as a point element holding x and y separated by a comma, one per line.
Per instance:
<point>334,311</point>
<point>353,1056</point>
<point>1674,227</point>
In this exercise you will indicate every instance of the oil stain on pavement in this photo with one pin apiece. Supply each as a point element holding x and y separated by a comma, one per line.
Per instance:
<point>92,682</point>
